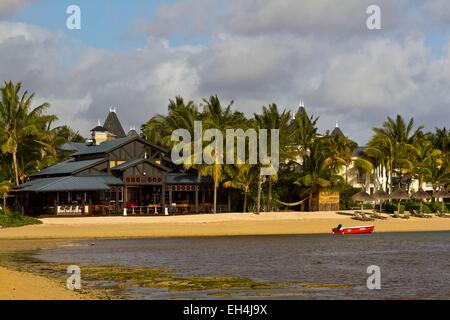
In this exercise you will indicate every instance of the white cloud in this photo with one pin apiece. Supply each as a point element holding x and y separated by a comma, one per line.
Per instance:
<point>383,74</point>
<point>281,53</point>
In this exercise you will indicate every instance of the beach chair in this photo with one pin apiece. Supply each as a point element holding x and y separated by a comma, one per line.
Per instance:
<point>351,214</point>
<point>420,215</point>
<point>364,216</point>
<point>407,215</point>
<point>441,214</point>
<point>396,215</point>
<point>377,215</point>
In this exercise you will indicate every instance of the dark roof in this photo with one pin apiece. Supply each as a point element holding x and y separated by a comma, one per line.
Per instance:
<point>112,124</point>
<point>68,167</point>
<point>359,151</point>
<point>72,146</point>
<point>99,129</point>
<point>104,147</point>
<point>111,145</point>
<point>187,179</point>
<point>337,132</point>
<point>132,133</point>
<point>70,183</point>
<point>135,162</point>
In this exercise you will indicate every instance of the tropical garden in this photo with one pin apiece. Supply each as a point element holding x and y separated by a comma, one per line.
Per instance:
<point>309,160</point>
<point>28,142</point>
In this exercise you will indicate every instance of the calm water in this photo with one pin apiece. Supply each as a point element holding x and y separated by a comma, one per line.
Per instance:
<point>413,265</point>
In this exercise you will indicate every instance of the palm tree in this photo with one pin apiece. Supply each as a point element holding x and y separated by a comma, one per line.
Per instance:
<point>318,169</point>
<point>438,172</point>
<point>304,130</point>
<point>181,115</point>
<point>23,127</point>
<point>341,151</point>
<point>215,116</point>
<point>241,177</point>
<point>423,156</point>
<point>65,134</point>
<point>441,140</point>
<point>392,145</point>
<point>271,118</point>
<point>5,187</point>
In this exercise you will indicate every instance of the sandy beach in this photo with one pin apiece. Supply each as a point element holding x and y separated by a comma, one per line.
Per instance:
<point>63,231</point>
<point>16,285</point>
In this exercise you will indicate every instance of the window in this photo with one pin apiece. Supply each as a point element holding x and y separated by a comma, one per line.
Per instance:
<point>115,163</point>
<point>361,178</point>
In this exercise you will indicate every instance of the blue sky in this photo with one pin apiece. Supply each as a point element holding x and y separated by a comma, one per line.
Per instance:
<point>105,24</point>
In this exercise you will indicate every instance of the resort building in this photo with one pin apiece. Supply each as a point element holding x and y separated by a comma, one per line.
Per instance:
<point>378,179</point>
<point>115,173</point>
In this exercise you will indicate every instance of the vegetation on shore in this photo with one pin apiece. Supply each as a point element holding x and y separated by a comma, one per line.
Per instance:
<point>14,219</point>
<point>309,160</point>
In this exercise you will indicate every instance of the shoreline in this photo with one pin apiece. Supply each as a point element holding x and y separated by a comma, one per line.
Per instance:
<point>226,224</point>
<point>57,232</point>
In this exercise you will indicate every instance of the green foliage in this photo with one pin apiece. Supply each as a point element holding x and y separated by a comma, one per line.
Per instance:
<point>345,200</point>
<point>392,206</point>
<point>14,219</point>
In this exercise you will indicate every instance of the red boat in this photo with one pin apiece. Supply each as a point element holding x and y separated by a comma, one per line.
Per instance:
<point>353,230</point>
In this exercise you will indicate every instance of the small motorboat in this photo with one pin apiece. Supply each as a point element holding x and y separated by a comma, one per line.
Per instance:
<point>353,230</point>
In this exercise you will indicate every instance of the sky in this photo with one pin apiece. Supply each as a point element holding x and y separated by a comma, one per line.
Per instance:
<point>136,55</point>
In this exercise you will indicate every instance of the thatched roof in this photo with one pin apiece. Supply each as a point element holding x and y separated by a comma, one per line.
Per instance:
<point>399,194</point>
<point>441,194</point>
<point>361,196</point>
<point>421,195</point>
<point>380,195</point>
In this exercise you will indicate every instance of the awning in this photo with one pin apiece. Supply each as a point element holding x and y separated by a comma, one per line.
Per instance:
<point>70,183</point>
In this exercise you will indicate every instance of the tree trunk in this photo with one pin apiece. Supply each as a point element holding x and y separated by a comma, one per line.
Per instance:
<point>4,202</point>
<point>16,171</point>
<point>310,200</point>
<point>269,198</point>
<point>215,196</point>
<point>346,173</point>
<point>258,198</point>
<point>229,201</point>
<point>244,209</point>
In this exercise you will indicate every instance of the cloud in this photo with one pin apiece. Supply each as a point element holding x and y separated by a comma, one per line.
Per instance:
<point>384,74</point>
<point>7,7</point>
<point>183,19</point>
<point>280,53</point>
